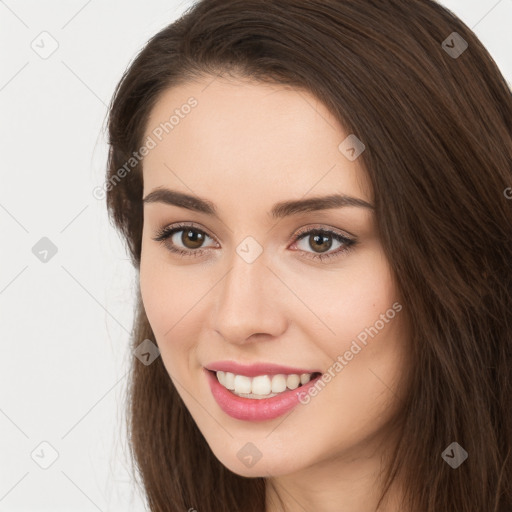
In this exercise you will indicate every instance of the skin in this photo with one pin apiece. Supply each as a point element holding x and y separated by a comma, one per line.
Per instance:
<point>245,147</point>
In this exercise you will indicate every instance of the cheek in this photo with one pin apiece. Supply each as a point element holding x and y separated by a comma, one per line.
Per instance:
<point>171,296</point>
<point>370,345</point>
<point>161,289</point>
<point>356,304</point>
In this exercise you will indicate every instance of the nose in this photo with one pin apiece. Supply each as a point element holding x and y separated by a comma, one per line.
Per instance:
<point>250,303</point>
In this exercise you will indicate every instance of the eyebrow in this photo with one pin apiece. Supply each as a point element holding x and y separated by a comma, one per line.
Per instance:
<point>279,210</point>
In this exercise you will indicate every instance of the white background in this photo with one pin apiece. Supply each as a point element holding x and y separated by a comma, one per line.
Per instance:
<point>65,323</point>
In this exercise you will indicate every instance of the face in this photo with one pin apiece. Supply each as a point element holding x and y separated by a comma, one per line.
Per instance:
<point>269,293</point>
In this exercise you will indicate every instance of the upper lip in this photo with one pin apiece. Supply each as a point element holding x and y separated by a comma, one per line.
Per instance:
<point>252,370</point>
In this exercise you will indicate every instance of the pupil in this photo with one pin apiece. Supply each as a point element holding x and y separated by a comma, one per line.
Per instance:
<point>322,240</point>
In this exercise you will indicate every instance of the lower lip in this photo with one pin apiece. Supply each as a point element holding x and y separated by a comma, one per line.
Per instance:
<point>254,409</point>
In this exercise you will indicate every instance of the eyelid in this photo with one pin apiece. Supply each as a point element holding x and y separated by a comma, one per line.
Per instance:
<point>321,227</point>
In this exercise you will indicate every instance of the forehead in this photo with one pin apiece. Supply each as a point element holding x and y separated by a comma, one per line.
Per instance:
<point>248,139</point>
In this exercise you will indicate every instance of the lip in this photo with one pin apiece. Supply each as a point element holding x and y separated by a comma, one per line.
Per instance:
<point>253,409</point>
<point>253,370</point>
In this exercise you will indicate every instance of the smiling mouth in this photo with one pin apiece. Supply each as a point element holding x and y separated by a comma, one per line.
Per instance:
<point>261,386</point>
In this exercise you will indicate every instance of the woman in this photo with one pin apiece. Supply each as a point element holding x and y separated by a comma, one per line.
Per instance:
<point>313,194</point>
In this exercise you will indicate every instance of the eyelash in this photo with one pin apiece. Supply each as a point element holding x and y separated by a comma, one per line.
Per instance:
<point>167,232</point>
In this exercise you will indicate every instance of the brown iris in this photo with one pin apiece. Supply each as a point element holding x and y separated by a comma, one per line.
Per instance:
<point>192,237</point>
<point>324,242</point>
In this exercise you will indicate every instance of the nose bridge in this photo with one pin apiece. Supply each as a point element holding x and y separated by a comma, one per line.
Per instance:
<point>247,302</point>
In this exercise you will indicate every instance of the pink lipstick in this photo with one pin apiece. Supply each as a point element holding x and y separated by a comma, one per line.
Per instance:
<point>259,409</point>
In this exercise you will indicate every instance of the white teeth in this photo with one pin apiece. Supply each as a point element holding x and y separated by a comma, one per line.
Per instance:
<point>261,386</point>
<point>305,378</point>
<point>242,384</point>
<point>292,381</point>
<point>278,383</point>
<point>228,380</point>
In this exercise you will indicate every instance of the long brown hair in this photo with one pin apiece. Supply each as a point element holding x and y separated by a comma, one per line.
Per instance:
<point>436,119</point>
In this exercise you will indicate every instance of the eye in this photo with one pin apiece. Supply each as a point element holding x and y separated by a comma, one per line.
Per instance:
<point>192,239</point>
<point>322,240</point>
